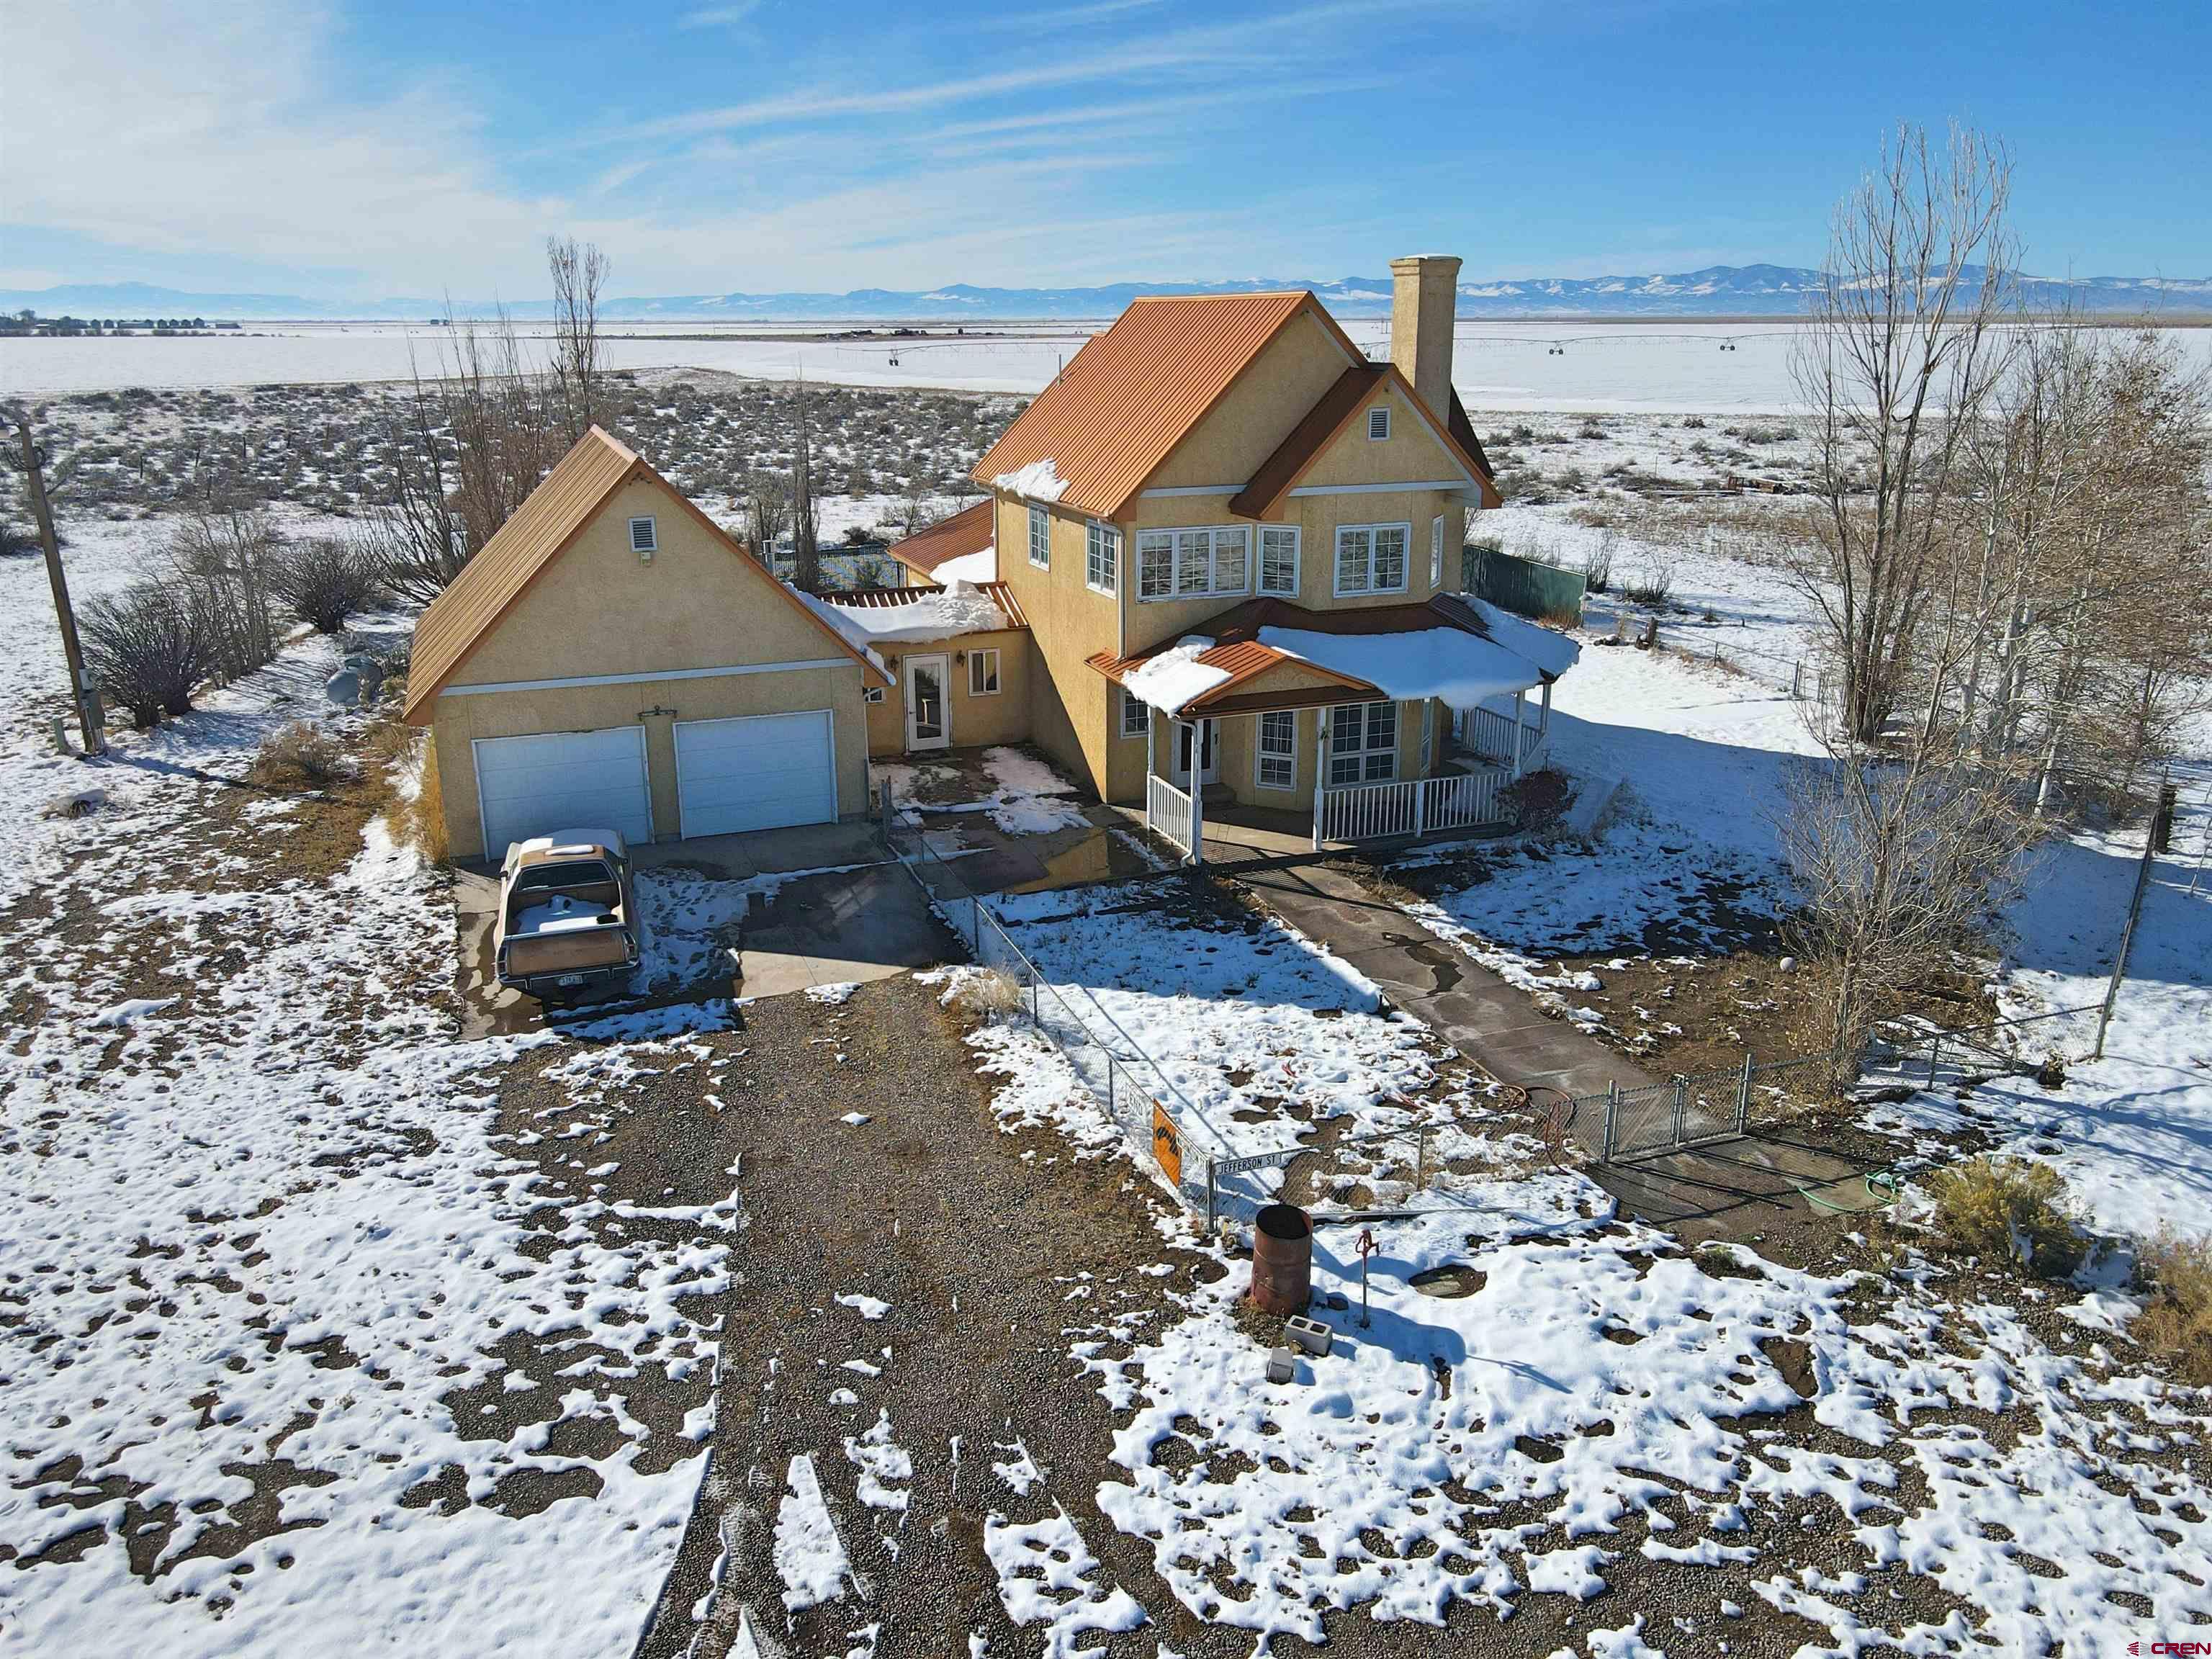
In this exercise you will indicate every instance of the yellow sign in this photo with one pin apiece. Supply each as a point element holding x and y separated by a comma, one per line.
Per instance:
<point>1166,1145</point>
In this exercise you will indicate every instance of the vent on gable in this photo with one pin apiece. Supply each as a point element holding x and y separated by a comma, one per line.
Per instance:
<point>641,539</point>
<point>1378,421</point>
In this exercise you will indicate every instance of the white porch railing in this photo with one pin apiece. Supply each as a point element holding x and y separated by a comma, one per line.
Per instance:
<point>1491,735</point>
<point>1417,806</point>
<point>1171,813</point>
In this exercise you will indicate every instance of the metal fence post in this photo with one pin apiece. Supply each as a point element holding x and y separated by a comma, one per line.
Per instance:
<point>1612,1117</point>
<point>1934,1054</point>
<point>1681,1105</point>
<point>1033,1000</point>
<point>1209,1197</point>
<point>1421,1161</point>
<point>1743,1097</point>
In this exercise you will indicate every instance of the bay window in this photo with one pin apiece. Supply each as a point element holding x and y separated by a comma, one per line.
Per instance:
<point>1279,560</point>
<point>1278,764</point>
<point>1363,744</point>
<point>1194,564</point>
<point>1102,557</point>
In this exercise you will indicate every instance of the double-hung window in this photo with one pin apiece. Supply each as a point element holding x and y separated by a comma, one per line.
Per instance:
<point>1363,743</point>
<point>982,673</point>
<point>1279,560</point>
<point>1370,558</point>
<point>1194,564</point>
<point>1040,538</point>
<point>1136,716</point>
<point>1437,551</point>
<point>1278,764</point>
<point>1102,557</point>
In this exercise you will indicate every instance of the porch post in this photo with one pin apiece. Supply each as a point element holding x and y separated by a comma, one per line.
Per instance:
<point>1544,718</point>
<point>1321,771</point>
<point>1519,699</point>
<point>1197,782</point>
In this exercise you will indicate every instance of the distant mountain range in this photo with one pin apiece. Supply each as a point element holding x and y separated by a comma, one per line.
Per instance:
<point>1715,291</point>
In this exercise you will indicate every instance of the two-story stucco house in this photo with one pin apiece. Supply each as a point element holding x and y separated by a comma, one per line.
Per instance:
<point>1232,543</point>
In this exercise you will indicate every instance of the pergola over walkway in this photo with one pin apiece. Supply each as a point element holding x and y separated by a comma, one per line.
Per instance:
<point>1367,673</point>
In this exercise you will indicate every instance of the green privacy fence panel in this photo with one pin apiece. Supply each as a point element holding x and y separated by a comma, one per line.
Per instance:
<point>1522,585</point>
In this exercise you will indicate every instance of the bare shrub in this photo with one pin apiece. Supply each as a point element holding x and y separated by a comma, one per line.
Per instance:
<point>326,581</point>
<point>1655,583</point>
<point>226,561</point>
<point>2176,1323</point>
<point>146,648</point>
<point>418,814</point>
<point>1597,566</point>
<point>984,994</point>
<point>296,755</point>
<point>2005,1211</point>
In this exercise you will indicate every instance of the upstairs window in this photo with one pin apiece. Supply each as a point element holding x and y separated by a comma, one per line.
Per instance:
<point>1279,560</point>
<point>1194,564</point>
<point>641,536</point>
<point>1040,538</point>
<point>1370,558</point>
<point>1363,744</point>
<point>1102,557</point>
<point>1378,422</point>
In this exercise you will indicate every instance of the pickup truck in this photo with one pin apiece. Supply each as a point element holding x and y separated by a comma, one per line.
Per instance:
<point>568,926</point>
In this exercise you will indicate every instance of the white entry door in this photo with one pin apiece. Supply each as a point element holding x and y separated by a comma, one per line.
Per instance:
<point>757,772</point>
<point>1206,737</point>
<point>556,781</point>
<point>928,722</point>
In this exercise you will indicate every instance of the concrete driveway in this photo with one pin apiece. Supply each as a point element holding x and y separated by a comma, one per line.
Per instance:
<point>788,909</point>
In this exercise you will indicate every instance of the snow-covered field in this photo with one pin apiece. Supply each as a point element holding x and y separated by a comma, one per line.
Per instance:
<point>263,1237</point>
<point>1553,364</point>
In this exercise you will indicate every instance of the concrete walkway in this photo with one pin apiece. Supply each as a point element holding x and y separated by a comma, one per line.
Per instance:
<point>1495,1025</point>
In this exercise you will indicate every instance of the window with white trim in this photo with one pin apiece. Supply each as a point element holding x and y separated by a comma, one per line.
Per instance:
<point>1363,744</point>
<point>1136,716</point>
<point>1040,538</point>
<point>1437,551</point>
<point>642,537</point>
<point>1102,557</point>
<point>1194,564</point>
<point>1277,767</point>
<point>1378,422</point>
<point>872,694</point>
<point>982,673</point>
<point>1279,560</point>
<point>1370,558</point>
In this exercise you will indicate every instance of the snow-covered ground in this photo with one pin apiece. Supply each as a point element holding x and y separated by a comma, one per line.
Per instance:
<point>262,1237</point>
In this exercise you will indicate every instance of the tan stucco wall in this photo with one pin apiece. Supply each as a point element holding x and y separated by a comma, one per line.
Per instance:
<point>599,609</point>
<point>1069,622</point>
<point>1003,718</point>
<point>1256,414</point>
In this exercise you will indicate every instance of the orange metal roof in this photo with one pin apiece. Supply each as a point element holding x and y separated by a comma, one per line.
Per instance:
<point>1135,392</point>
<point>548,519</point>
<point>1236,650</point>
<point>969,531</point>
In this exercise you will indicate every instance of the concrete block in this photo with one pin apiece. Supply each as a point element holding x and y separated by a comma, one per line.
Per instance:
<point>1282,1365</point>
<point>1309,1334</point>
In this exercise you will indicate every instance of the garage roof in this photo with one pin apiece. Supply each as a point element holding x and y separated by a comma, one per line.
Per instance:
<point>570,497</point>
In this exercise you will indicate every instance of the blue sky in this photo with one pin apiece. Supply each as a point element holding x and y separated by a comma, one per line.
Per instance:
<point>410,149</point>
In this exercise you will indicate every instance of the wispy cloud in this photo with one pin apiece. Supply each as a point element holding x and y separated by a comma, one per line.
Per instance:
<point>718,17</point>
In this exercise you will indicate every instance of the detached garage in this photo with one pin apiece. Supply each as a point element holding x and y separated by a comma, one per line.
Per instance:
<point>612,659</point>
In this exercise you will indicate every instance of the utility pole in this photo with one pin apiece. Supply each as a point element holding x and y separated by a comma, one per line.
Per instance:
<point>87,712</point>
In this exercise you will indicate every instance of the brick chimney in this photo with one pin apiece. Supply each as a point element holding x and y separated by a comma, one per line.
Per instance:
<point>1424,299</point>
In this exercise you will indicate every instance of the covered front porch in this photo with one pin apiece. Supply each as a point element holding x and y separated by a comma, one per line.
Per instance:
<point>1225,787</point>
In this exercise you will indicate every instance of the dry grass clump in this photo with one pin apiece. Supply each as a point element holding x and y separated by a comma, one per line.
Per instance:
<point>2006,1212</point>
<point>296,755</point>
<point>419,819</point>
<point>985,993</point>
<point>2176,1323</point>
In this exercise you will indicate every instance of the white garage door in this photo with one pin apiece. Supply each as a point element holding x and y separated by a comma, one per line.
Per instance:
<point>759,772</point>
<point>563,781</point>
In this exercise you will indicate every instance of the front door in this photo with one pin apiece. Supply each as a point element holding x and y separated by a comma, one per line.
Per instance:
<point>1203,735</point>
<point>928,723</point>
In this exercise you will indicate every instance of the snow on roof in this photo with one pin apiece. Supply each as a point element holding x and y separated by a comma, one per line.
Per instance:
<point>959,608</point>
<point>1549,649</point>
<point>1173,677</point>
<point>978,566</point>
<point>848,624</point>
<point>1429,662</point>
<point>1040,481</point>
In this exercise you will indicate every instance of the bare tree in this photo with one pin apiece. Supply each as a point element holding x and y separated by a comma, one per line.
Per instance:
<point>579,276</point>
<point>467,443</point>
<point>1895,363</point>
<point>806,553</point>
<point>1899,864</point>
<point>225,560</point>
